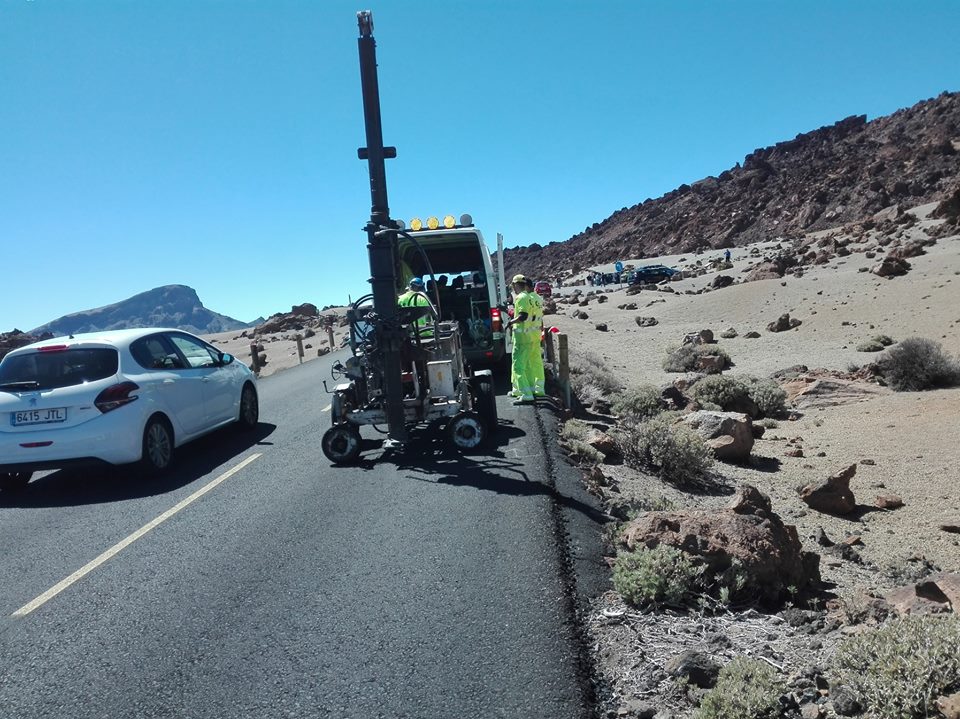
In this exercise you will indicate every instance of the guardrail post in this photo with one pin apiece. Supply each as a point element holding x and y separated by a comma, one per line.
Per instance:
<point>548,346</point>
<point>300,347</point>
<point>564,368</point>
<point>330,335</point>
<point>256,357</point>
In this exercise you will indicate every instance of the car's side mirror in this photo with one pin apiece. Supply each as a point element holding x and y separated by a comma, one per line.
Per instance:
<point>226,359</point>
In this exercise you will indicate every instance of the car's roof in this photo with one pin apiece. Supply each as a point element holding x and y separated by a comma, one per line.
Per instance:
<point>117,338</point>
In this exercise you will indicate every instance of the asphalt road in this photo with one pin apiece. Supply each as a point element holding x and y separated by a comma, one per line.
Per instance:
<point>258,581</point>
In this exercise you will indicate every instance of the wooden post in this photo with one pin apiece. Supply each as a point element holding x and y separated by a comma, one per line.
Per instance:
<point>551,353</point>
<point>564,369</point>
<point>256,357</point>
<point>330,335</point>
<point>300,347</point>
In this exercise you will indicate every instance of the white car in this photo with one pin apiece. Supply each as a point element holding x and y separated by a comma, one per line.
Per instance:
<point>115,397</point>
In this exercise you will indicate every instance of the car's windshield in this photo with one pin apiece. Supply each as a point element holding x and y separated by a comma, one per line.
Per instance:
<point>52,369</point>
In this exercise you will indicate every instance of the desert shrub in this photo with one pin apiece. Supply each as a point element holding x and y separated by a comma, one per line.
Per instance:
<point>768,423</point>
<point>573,430</point>
<point>899,669</point>
<point>589,370</point>
<point>769,397</point>
<point>746,689</point>
<point>870,345</point>
<point>735,393</point>
<point>583,453</point>
<point>918,363</point>
<point>724,392</point>
<point>662,575</point>
<point>677,452</point>
<point>639,403</point>
<point>573,436</point>
<point>685,357</point>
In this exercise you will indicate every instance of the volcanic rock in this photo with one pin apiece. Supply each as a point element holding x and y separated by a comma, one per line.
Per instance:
<point>832,496</point>
<point>748,532</point>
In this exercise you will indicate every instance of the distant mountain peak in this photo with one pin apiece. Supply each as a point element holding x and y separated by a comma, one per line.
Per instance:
<point>176,306</point>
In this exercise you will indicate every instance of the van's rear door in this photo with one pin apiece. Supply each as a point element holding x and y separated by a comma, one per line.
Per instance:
<point>502,291</point>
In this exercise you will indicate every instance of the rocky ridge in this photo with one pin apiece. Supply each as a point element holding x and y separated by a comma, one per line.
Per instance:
<point>838,174</point>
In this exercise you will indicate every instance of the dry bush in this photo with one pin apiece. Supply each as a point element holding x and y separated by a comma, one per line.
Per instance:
<point>591,378</point>
<point>769,397</point>
<point>918,363</point>
<point>723,392</point>
<point>746,689</point>
<point>875,343</point>
<point>732,393</point>
<point>573,437</point>
<point>637,404</point>
<point>677,453</point>
<point>662,575</point>
<point>900,669</point>
<point>685,357</point>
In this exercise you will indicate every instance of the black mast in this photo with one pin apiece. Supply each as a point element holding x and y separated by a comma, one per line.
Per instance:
<point>381,236</point>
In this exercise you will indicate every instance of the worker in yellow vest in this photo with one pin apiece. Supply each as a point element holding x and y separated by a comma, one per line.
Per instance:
<point>414,297</point>
<point>525,325</point>
<point>536,362</point>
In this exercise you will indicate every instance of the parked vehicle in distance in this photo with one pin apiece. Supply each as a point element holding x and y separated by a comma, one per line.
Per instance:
<point>543,288</point>
<point>116,397</point>
<point>652,273</point>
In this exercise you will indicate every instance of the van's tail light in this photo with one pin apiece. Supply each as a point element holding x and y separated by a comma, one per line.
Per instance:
<point>496,324</point>
<point>115,395</point>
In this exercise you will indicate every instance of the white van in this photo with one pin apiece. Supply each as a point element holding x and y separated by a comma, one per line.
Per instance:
<point>455,265</point>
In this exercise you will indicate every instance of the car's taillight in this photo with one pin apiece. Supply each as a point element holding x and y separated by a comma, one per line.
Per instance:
<point>115,395</point>
<point>496,324</point>
<point>53,348</point>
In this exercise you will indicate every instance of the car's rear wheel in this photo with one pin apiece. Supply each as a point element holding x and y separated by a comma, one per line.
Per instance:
<point>249,408</point>
<point>14,481</point>
<point>157,446</point>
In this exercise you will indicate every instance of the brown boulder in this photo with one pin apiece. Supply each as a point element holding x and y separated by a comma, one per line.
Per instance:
<point>783,323</point>
<point>728,434</point>
<point>937,594</point>
<point>949,706</point>
<point>747,533</point>
<point>891,266</point>
<point>832,496</point>
<point>307,309</point>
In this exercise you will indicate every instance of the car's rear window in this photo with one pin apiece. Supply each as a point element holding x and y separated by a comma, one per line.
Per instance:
<point>62,368</point>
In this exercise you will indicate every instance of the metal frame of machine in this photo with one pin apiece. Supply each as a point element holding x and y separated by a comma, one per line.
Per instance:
<point>402,372</point>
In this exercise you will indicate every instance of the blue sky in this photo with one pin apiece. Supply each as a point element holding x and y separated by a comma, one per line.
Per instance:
<point>213,144</point>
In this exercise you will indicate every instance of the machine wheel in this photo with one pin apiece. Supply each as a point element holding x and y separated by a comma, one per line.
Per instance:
<point>157,453</point>
<point>14,481</point>
<point>485,402</point>
<point>341,444</point>
<point>249,408</point>
<point>466,430</point>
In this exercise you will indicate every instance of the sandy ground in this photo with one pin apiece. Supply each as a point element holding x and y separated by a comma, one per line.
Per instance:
<point>904,443</point>
<point>911,436</point>
<point>280,347</point>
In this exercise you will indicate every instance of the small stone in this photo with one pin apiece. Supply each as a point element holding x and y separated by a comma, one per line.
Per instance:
<point>845,701</point>
<point>888,501</point>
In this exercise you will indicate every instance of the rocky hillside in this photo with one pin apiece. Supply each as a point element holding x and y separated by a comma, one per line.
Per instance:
<point>169,306</point>
<point>838,174</point>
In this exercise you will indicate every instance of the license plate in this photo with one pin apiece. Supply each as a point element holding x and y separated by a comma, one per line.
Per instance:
<point>39,416</point>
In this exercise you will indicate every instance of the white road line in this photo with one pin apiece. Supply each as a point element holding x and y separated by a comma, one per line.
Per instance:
<point>124,543</point>
<point>325,408</point>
